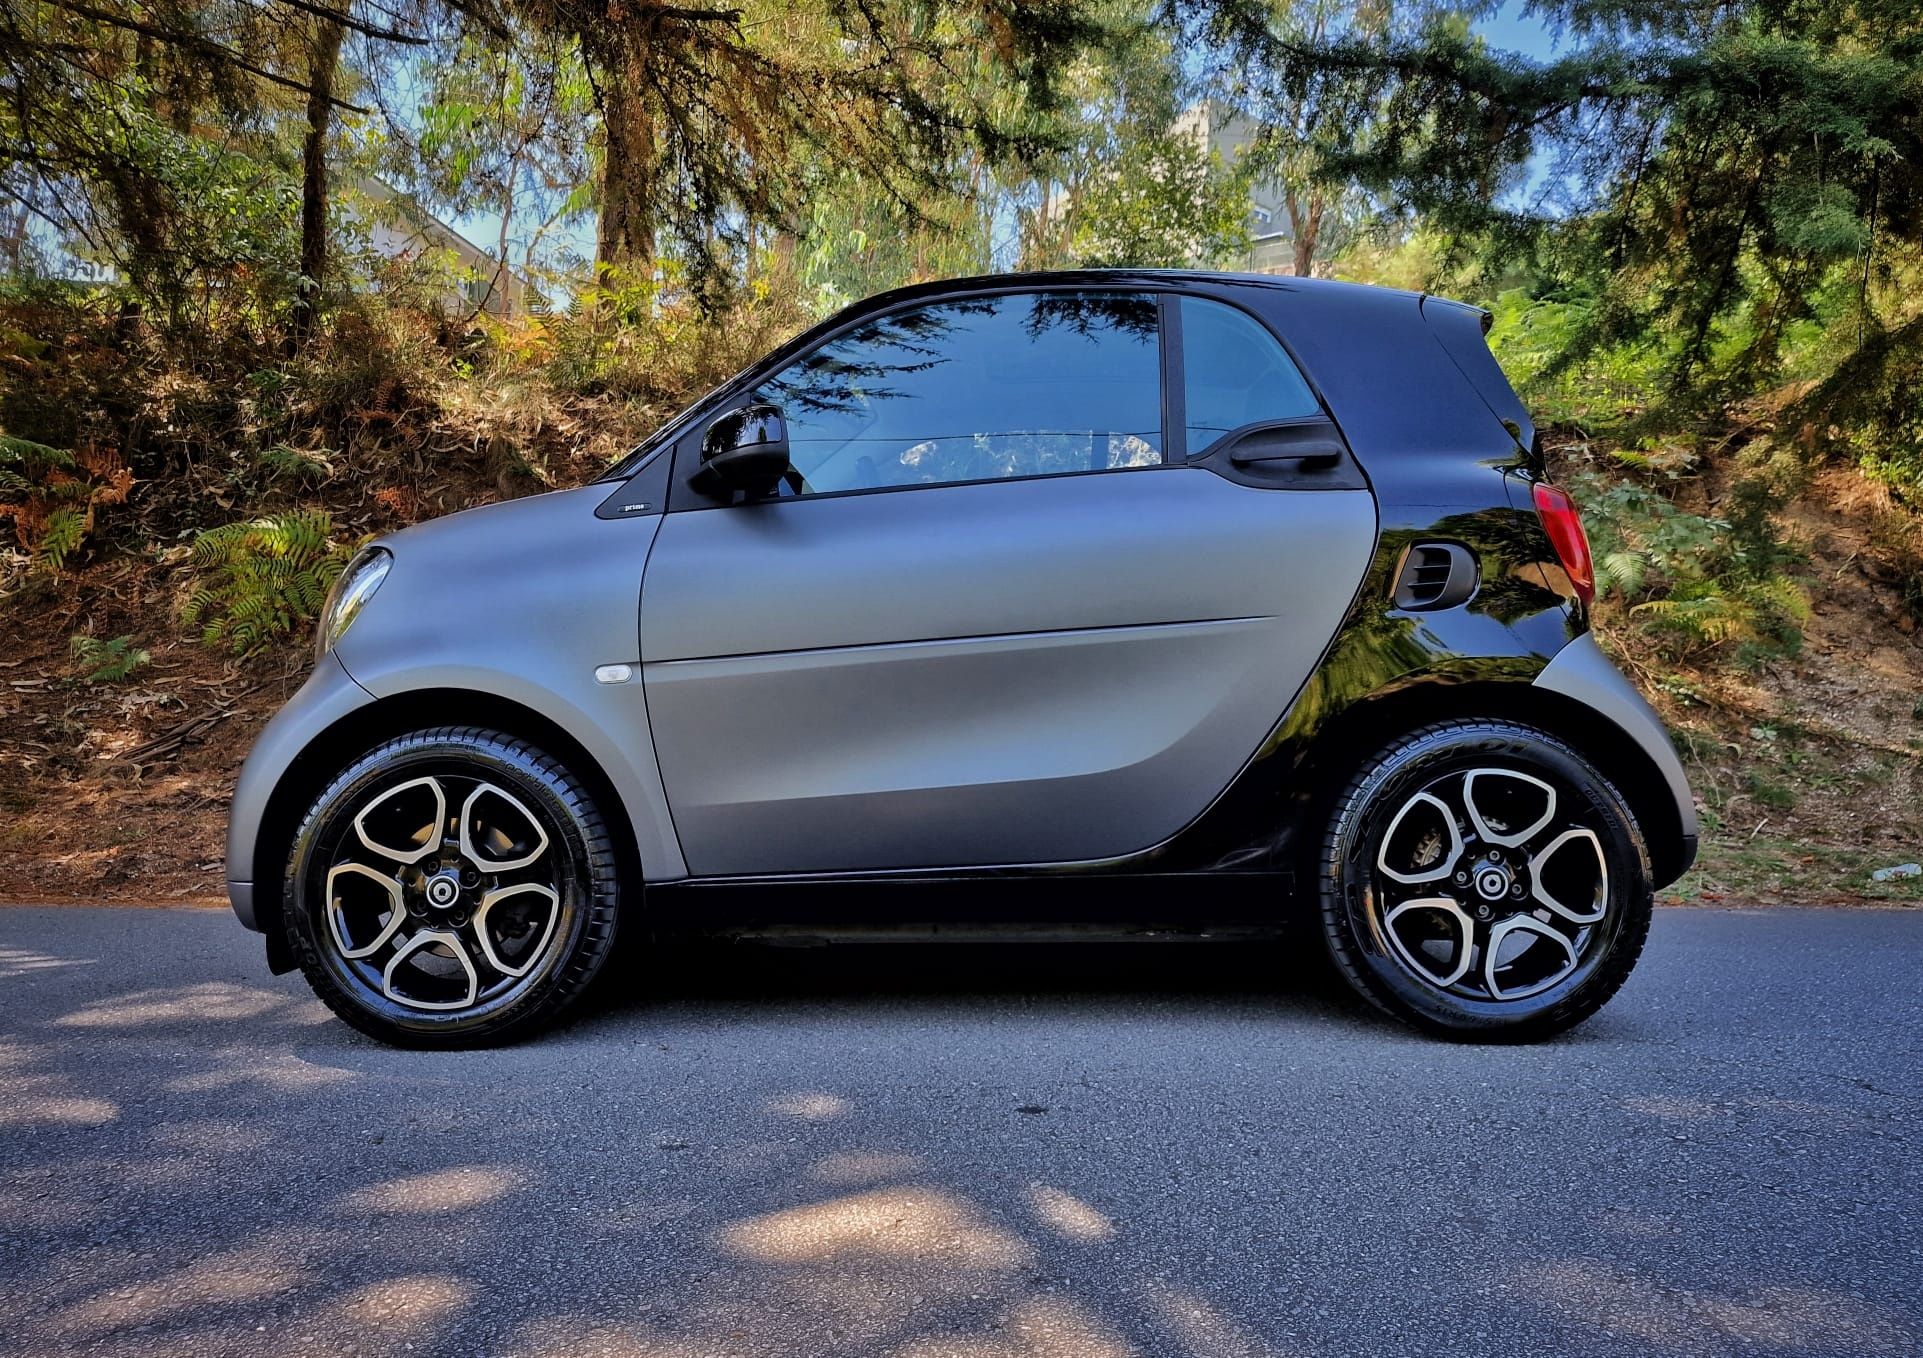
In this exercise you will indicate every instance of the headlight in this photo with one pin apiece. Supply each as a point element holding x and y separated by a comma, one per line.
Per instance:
<point>351,591</point>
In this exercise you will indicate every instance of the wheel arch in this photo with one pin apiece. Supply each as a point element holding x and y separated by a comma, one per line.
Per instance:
<point>1364,727</point>
<point>335,746</point>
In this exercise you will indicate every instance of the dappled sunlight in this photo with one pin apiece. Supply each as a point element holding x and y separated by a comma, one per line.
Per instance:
<point>868,1305</point>
<point>851,1168</point>
<point>1040,1327</point>
<point>274,1069</point>
<point>571,1338</point>
<point>402,1308</point>
<point>447,1190</point>
<point>301,1320</point>
<point>22,1209</point>
<point>36,1098</point>
<point>961,1346</point>
<point>21,961</point>
<point>1789,1320</point>
<point>809,1106</point>
<point>1068,1216</point>
<point>1200,1328</point>
<point>227,1278</point>
<point>1062,1328</point>
<point>19,1109</point>
<point>219,1000</point>
<point>14,1055</point>
<point>908,1223</point>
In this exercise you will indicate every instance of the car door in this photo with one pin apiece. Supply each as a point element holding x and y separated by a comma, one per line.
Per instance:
<point>987,620</point>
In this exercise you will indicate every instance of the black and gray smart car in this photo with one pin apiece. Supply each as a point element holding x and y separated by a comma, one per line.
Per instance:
<point>1132,600</point>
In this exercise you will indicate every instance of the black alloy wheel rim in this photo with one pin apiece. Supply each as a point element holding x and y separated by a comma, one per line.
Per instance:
<point>441,892</point>
<point>1491,884</point>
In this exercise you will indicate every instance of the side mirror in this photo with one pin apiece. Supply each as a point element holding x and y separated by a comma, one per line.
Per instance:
<point>745,450</point>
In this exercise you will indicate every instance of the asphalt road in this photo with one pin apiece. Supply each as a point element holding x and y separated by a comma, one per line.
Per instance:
<point>957,1150</point>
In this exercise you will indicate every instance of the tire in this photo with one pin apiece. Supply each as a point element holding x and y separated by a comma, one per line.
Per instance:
<point>1459,937</point>
<point>476,839</point>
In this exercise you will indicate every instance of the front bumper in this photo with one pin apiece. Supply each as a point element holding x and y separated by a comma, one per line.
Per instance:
<point>329,694</point>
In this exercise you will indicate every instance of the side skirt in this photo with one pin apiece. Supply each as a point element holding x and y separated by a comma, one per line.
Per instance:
<point>975,906</point>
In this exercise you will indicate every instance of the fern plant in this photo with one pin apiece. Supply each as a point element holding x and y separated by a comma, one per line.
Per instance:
<point>1696,581</point>
<point>52,495</point>
<point>262,578</point>
<point>106,662</point>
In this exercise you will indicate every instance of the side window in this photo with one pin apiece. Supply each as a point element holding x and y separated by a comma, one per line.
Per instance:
<point>981,389</point>
<point>1234,373</point>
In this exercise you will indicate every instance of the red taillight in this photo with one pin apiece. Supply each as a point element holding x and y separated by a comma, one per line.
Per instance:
<point>1564,526</point>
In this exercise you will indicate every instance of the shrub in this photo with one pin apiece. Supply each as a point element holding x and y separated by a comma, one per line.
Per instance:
<point>51,496</point>
<point>263,578</point>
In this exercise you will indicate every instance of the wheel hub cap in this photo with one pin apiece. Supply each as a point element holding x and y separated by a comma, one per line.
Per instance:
<point>443,890</point>
<point>1492,882</point>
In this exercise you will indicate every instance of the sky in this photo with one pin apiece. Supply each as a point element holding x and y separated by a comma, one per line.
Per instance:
<point>1511,30</point>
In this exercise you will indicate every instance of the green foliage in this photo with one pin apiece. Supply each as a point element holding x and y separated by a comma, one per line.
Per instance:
<point>1769,793</point>
<point>1156,200</point>
<point>106,662</point>
<point>1696,582</point>
<point>1533,337</point>
<point>638,336</point>
<point>1134,181</point>
<point>261,579</point>
<point>1708,181</point>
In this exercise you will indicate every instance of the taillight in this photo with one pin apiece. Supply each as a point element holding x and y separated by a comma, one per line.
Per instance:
<point>1564,526</point>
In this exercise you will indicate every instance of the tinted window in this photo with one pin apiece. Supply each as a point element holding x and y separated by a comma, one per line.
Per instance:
<point>978,390</point>
<point>1234,373</point>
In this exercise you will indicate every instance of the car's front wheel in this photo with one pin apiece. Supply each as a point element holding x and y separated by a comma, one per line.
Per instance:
<point>1480,879</point>
<point>451,887</point>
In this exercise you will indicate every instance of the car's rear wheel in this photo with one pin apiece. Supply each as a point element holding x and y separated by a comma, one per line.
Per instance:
<point>451,887</point>
<point>1481,880</point>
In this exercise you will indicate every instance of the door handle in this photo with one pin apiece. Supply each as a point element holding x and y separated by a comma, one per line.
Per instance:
<point>1266,447</point>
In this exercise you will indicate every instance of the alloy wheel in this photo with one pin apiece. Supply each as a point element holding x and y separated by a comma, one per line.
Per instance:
<point>442,893</point>
<point>1488,885</point>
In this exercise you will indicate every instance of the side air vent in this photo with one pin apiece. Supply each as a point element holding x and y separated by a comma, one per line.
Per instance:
<point>1435,575</point>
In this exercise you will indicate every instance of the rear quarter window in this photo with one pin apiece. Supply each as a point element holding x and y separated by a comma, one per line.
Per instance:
<point>1235,373</point>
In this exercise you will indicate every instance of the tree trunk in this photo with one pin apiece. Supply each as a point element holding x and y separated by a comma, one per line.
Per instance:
<point>1307,233</point>
<point>324,61</point>
<point>630,164</point>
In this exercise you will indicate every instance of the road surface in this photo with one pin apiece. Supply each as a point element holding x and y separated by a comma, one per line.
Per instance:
<point>959,1150</point>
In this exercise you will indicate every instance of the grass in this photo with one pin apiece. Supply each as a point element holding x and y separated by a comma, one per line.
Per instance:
<point>1769,869</point>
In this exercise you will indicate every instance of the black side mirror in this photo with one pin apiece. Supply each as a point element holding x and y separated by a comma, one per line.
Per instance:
<point>745,450</point>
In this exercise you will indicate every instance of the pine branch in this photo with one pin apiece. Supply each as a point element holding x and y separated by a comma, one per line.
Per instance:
<point>346,20</point>
<point>197,43</point>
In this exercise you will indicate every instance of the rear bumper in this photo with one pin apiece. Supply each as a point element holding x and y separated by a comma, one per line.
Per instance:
<point>1583,673</point>
<point>329,694</point>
